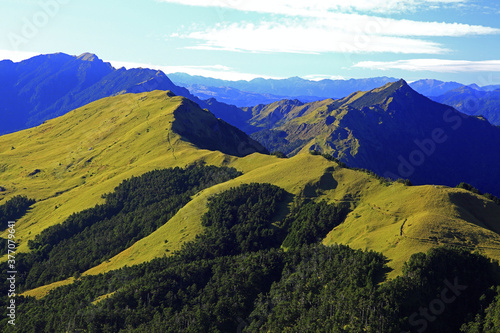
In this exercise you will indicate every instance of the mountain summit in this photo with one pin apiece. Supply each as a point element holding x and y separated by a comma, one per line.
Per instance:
<point>398,91</point>
<point>398,133</point>
<point>87,57</point>
<point>47,86</point>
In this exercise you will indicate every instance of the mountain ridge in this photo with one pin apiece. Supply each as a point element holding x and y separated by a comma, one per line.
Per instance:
<point>431,87</point>
<point>48,86</point>
<point>395,132</point>
<point>293,87</point>
<point>474,102</point>
<point>119,137</point>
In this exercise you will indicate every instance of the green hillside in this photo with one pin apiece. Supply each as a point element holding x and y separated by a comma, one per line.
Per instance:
<point>68,163</point>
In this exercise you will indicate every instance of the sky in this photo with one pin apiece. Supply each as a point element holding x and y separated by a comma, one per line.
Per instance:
<point>449,40</point>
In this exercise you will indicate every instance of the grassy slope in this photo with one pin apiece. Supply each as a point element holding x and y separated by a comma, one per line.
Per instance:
<point>88,152</point>
<point>428,215</point>
<point>398,220</point>
<point>131,134</point>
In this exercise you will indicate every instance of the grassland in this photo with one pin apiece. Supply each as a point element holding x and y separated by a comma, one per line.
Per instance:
<point>89,151</point>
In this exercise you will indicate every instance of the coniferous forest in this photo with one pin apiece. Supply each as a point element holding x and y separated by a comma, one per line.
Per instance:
<point>251,270</point>
<point>250,166</point>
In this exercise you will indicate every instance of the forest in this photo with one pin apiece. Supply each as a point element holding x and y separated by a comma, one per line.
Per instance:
<point>252,269</point>
<point>13,209</point>
<point>136,208</point>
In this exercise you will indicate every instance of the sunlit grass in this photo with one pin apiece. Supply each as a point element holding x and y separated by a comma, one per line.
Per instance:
<point>89,151</point>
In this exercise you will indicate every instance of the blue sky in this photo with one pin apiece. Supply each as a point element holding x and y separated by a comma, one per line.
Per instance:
<point>452,40</point>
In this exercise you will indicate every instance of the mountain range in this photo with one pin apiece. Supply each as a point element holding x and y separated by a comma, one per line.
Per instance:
<point>391,130</point>
<point>107,141</point>
<point>148,209</point>
<point>291,88</point>
<point>388,129</point>
<point>266,91</point>
<point>240,98</point>
<point>47,86</point>
<point>469,99</point>
<point>74,81</point>
<point>474,102</point>
<point>430,88</point>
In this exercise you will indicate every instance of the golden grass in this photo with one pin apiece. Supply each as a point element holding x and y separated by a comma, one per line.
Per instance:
<point>399,221</point>
<point>44,290</point>
<point>89,151</point>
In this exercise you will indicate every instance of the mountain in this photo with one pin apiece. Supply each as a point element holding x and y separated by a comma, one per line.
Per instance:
<point>112,225</point>
<point>67,164</point>
<point>292,88</point>
<point>278,113</point>
<point>491,87</point>
<point>474,102</point>
<point>204,130</point>
<point>240,98</point>
<point>144,211</point>
<point>70,161</point>
<point>430,87</point>
<point>48,86</point>
<point>398,133</point>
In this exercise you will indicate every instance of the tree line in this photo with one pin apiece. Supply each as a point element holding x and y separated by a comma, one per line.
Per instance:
<point>250,272</point>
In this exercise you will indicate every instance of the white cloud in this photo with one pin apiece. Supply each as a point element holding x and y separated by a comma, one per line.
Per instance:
<point>335,32</point>
<point>319,77</point>
<point>215,71</point>
<point>372,25</point>
<point>434,65</point>
<point>312,37</point>
<point>319,26</point>
<point>318,7</point>
<point>16,56</point>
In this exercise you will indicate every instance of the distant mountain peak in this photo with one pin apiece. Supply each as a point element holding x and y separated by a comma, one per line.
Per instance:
<point>296,78</point>
<point>393,85</point>
<point>87,57</point>
<point>398,90</point>
<point>431,87</point>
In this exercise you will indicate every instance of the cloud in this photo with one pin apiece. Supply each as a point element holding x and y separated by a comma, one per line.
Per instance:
<point>319,77</point>
<point>320,26</point>
<point>334,32</point>
<point>313,37</point>
<point>214,71</point>
<point>318,7</point>
<point>16,56</point>
<point>434,65</point>
<point>372,25</point>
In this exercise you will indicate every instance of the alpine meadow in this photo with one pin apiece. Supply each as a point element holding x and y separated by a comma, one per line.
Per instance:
<point>250,166</point>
